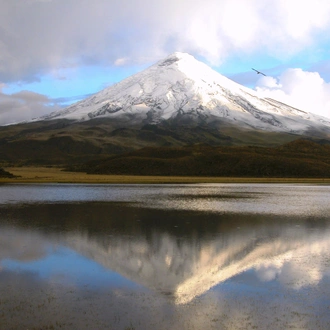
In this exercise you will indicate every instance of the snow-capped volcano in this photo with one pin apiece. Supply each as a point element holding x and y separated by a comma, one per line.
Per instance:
<point>180,88</point>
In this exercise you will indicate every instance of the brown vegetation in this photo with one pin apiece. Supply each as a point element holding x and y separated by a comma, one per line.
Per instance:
<point>105,147</point>
<point>300,158</point>
<point>56,175</point>
<point>61,142</point>
<point>5,174</point>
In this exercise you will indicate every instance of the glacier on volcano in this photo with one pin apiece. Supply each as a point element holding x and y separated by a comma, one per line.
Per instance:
<point>181,87</point>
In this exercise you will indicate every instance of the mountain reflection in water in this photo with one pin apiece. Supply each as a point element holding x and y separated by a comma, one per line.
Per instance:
<point>178,256</point>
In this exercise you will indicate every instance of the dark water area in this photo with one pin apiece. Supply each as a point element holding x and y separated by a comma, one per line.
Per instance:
<point>213,256</point>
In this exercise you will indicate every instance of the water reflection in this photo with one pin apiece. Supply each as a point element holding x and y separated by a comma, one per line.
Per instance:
<point>164,268</point>
<point>188,267</point>
<point>277,199</point>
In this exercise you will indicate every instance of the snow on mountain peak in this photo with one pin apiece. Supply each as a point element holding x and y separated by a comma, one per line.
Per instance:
<point>175,57</point>
<point>179,86</point>
<point>194,69</point>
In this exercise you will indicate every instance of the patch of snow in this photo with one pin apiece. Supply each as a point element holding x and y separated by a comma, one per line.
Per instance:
<point>179,84</point>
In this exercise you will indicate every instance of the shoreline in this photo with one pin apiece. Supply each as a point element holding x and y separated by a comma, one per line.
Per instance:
<point>56,175</point>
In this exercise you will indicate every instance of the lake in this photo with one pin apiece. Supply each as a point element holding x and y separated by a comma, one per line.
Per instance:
<point>199,256</point>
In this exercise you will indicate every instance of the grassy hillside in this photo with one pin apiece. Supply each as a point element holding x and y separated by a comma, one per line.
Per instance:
<point>63,142</point>
<point>300,158</point>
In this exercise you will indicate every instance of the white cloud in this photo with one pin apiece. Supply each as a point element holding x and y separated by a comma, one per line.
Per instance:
<point>37,36</point>
<point>121,61</point>
<point>301,89</point>
<point>302,16</point>
<point>24,105</point>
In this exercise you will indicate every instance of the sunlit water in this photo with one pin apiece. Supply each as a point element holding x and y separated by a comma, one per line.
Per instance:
<point>210,256</point>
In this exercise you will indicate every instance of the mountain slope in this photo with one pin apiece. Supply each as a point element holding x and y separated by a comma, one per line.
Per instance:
<point>178,101</point>
<point>300,158</point>
<point>61,142</point>
<point>182,90</point>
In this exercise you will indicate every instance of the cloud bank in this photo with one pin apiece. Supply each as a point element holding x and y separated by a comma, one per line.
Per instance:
<point>37,36</point>
<point>24,105</point>
<point>301,89</point>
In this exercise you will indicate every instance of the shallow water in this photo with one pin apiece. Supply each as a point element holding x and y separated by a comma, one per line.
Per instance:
<point>212,256</point>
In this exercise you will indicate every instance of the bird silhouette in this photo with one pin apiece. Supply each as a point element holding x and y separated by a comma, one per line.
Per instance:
<point>258,72</point>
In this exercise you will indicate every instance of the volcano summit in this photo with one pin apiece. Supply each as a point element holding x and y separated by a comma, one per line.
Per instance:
<point>181,90</point>
<point>176,102</point>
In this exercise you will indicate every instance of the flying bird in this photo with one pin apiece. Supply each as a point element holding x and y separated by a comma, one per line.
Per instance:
<point>258,72</point>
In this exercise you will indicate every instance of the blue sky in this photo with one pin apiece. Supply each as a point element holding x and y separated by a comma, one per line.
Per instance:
<point>56,52</point>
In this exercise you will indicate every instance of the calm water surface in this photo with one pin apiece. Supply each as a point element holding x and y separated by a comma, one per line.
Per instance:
<point>208,256</point>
